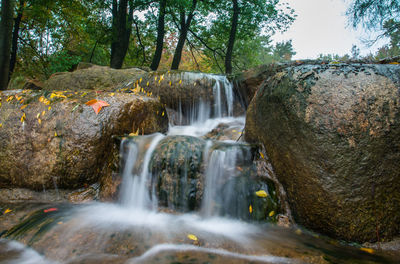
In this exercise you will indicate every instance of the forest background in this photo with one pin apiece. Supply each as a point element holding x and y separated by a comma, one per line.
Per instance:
<point>42,37</point>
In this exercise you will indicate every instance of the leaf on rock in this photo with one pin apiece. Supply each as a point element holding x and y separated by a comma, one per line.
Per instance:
<point>271,213</point>
<point>50,210</point>
<point>96,105</point>
<point>368,250</point>
<point>261,193</point>
<point>192,237</point>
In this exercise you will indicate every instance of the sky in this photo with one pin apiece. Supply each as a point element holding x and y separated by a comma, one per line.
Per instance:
<point>321,27</point>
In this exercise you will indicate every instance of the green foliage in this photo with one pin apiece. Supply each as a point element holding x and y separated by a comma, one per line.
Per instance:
<point>62,61</point>
<point>55,35</point>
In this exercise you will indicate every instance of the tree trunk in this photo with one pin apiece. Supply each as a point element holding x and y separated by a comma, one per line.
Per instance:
<point>15,35</point>
<point>185,25</point>
<point>160,36</point>
<point>6,25</point>
<point>232,36</point>
<point>121,31</point>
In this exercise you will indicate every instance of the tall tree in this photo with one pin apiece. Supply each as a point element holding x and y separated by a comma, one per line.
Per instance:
<point>6,25</point>
<point>15,36</point>
<point>160,35</point>
<point>122,19</point>
<point>184,25</point>
<point>232,37</point>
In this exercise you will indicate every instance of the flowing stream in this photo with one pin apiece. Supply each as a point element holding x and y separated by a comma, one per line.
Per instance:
<point>185,197</point>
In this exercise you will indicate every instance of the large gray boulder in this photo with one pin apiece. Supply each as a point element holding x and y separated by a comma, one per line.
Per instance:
<point>332,133</point>
<point>55,139</point>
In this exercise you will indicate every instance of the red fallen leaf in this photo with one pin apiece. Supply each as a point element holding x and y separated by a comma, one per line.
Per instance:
<point>96,105</point>
<point>50,210</point>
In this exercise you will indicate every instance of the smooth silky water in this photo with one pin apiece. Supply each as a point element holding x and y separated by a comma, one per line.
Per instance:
<point>137,230</point>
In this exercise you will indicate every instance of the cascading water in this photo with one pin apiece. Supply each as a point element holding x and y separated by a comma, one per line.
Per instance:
<point>136,231</point>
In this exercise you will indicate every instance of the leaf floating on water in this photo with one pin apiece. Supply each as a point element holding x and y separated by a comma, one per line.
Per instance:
<point>271,213</point>
<point>192,237</point>
<point>261,193</point>
<point>53,209</point>
<point>250,209</point>
<point>368,250</point>
<point>8,210</point>
<point>96,105</point>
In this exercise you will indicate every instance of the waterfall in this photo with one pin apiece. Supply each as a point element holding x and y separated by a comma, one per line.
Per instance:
<point>222,102</point>
<point>136,175</point>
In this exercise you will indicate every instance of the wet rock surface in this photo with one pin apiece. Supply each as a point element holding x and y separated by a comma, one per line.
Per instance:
<point>177,165</point>
<point>332,133</point>
<point>91,77</point>
<point>53,140</point>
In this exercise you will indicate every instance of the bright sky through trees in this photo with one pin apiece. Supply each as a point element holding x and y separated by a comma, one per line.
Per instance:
<point>322,27</point>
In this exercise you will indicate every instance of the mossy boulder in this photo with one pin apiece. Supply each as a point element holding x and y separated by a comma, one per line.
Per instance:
<point>177,165</point>
<point>50,140</point>
<point>332,133</point>
<point>91,77</point>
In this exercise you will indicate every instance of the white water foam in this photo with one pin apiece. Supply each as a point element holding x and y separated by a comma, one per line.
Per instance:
<point>183,248</point>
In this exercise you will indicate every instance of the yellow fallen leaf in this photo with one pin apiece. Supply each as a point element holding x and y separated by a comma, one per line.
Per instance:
<point>23,117</point>
<point>261,193</point>
<point>55,134</point>
<point>39,121</point>
<point>140,80</point>
<point>7,211</point>
<point>1,125</point>
<point>170,83</point>
<point>134,133</point>
<point>192,237</point>
<point>298,232</point>
<point>22,107</point>
<point>60,223</point>
<point>44,112</point>
<point>368,250</point>
<point>147,84</point>
<point>394,62</point>
<point>271,213</point>
<point>41,98</point>
<point>49,108</point>
<point>10,98</point>
<point>0,104</point>
<point>155,78</point>
<point>250,209</point>
<point>180,81</point>
<point>162,113</point>
<point>112,94</point>
<point>262,155</point>
<point>38,115</point>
